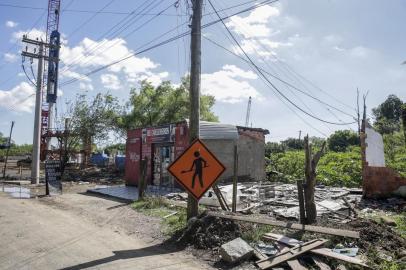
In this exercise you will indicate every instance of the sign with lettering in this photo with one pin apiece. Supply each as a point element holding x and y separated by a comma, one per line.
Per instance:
<point>53,176</point>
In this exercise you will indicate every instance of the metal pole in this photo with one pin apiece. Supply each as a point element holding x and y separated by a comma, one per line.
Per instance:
<point>37,121</point>
<point>194,91</point>
<point>8,149</point>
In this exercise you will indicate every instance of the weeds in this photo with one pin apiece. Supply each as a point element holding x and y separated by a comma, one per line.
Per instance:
<point>255,234</point>
<point>158,207</point>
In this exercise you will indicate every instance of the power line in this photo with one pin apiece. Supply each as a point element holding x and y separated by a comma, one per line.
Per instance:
<point>125,22</point>
<point>276,77</point>
<point>164,42</point>
<point>260,72</point>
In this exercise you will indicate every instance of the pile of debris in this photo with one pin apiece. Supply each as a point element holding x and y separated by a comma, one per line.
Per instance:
<point>207,232</point>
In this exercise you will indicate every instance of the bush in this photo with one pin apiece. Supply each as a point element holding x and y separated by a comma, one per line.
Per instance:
<point>340,140</point>
<point>335,169</point>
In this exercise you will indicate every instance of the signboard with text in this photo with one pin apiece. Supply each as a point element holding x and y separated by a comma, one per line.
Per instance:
<point>53,176</point>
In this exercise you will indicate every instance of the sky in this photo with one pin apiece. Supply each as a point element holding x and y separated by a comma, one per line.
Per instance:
<point>314,54</point>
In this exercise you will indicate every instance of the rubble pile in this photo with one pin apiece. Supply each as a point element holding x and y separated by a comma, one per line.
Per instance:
<point>208,232</point>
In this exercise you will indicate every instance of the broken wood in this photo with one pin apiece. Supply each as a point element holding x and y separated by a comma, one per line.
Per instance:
<point>220,198</point>
<point>289,225</point>
<point>320,264</point>
<point>350,206</point>
<point>290,254</point>
<point>296,265</point>
<point>320,251</point>
<point>301,201</point>
<point>171,214</point>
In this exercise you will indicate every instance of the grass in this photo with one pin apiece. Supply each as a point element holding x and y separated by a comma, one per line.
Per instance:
<point>159,207</point>
<point>400,224</point>
<point>254,235</point>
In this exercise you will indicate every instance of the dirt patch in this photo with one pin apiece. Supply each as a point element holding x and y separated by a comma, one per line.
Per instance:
<point>207,232</point>
<point>375,235</point>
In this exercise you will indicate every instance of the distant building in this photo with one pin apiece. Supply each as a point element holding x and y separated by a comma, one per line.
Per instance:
<point>161,145</point>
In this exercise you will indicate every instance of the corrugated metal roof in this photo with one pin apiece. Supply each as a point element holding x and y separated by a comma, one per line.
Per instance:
<point>213,131</point>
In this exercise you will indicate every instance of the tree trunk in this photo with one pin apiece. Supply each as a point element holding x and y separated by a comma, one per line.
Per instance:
<point>310,173</point>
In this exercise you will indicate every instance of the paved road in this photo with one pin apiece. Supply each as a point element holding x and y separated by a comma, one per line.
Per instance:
<point>38,235</point>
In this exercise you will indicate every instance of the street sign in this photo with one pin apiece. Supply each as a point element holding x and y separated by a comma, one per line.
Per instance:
<point>196,169</point>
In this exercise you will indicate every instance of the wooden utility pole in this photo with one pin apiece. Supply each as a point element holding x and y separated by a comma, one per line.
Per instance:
<point>8,149</point>
<point>310,173</point>
<point>235,180</point>
<point>358,115</point>
<point>194,91</point>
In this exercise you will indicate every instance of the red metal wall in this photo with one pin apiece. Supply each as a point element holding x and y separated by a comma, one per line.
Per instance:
<point>139,145</point>
<point>132,153</point>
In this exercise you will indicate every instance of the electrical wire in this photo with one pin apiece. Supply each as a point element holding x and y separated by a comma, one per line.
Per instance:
<point>164,42</point>
<point>276,77</point>
<point>270,83</point>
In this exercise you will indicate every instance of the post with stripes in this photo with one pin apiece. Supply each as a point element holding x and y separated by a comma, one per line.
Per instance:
<point>194,91</point>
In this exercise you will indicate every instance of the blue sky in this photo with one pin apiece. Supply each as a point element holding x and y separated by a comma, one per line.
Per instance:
<point>323,48</point>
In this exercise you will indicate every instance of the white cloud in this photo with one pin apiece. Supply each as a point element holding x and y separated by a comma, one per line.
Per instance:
<point>74,75</point>
<point>256,23</point>
<point>21,98</point>
<point>33,34</point>
<point>86,86</point>
<point>228,85</point>
<point>10,57</point>
<point>11,24</point>
<point>110,81</point>
<point>92,54</point>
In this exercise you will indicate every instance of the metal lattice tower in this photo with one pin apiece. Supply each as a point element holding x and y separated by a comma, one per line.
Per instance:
<point>52,25</point>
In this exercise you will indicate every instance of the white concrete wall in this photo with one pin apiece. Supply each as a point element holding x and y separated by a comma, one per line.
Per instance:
<point>374,151</point>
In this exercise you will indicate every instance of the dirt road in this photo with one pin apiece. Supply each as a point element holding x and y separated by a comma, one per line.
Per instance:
<point>76,231</point>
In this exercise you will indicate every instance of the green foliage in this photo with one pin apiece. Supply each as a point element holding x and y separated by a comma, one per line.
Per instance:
<point>17,150</point>
<point>158,207</point>
<point>388,115</point>
<point>334,168</point>
<point>273,147</point>
<point>290,164</point>
<point>163,104</point>
<point>292,143</point>
<point>255,234</point>
<point>114,148</point>
<point>340,169</point>
<point>395,152</point>
<point>340,140</point>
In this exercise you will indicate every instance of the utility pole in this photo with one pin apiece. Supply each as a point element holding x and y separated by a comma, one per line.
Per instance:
<point>194,91</point>
<point>8,149</point>
<point>300,135</point>
<point>358,115</point>
<point>35,168</point>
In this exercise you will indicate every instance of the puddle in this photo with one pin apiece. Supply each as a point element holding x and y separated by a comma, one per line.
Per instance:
<point>17,192</point>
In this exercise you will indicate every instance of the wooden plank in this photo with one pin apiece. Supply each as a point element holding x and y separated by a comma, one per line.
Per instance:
<point>296,265</point>
<point>289,225</point>
<point>320,251</point>
<point>320,264</point>
<point>290,254</point>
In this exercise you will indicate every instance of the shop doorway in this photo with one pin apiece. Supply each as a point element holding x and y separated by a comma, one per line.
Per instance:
<point>163,156</point>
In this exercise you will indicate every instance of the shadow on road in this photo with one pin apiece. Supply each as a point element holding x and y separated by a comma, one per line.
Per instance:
<point>126,254</point>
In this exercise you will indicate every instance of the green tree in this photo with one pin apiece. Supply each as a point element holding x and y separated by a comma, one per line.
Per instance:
<point>162,105</point>
<point>340,140</point>
<point>388,115</point>
<point>293,143</point>
<point>90,121</point>
<point>403,116</point>
<point>273,148</point>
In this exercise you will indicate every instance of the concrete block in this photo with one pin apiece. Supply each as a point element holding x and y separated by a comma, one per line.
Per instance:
<point>236,250</point>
